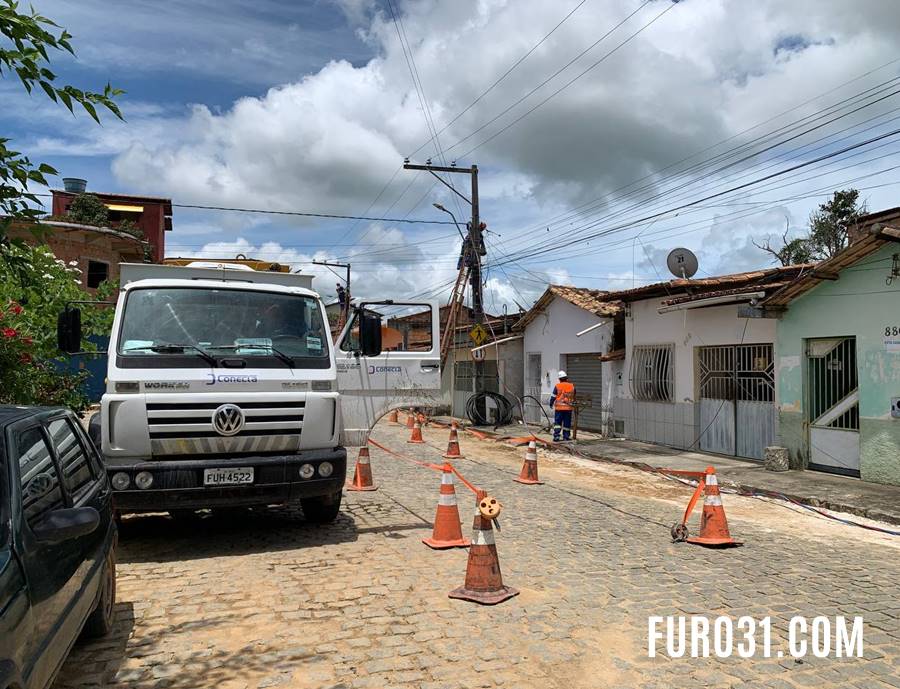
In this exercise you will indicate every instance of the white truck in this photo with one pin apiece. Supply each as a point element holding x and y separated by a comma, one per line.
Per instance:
<point>224,387</point>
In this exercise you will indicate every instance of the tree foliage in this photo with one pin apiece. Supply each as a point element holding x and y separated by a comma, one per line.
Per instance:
<point>88,209</point>
<point>34,285</point>
<point>26,42</point>
<point>829,231</point>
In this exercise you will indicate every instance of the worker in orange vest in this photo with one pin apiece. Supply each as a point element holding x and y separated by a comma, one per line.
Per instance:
<point>562,400</point>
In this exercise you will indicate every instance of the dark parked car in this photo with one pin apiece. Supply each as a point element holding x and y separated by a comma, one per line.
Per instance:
<point>57,543</point>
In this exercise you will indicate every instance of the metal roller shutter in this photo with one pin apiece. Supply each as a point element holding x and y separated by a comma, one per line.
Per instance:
<point>585,371</point>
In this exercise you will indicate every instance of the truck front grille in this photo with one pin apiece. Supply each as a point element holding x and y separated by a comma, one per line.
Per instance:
<point>186,428</point>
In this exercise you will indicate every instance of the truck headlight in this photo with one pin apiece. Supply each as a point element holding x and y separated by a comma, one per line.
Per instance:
<point>143,480</point>
<point>124,386</point>
<point>307,470</point>
<point>120,480</point>
<point>326,469</point>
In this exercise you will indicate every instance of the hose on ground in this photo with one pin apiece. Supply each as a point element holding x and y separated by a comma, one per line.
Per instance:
<point>500,415</point>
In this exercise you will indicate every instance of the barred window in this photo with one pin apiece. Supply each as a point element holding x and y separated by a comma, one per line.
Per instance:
<point>651,373</point>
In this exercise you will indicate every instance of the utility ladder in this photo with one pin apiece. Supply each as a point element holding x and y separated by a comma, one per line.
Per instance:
<point>457,297</point>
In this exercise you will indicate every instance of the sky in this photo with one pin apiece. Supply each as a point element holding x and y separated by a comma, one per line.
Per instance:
<point>606,132</point>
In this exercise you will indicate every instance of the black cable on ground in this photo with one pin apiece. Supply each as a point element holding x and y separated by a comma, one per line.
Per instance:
<point>502,416</point>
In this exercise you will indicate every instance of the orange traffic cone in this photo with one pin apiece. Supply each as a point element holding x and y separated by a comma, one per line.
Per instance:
<point>410,419</point>
<point>392,417</point>
<point>713,525</point>
<point>362,477</point>
<point>529,474</point>
<point>447,532</point>
<point>416,436</point>
<point>484,583</point>
<point>453,445</point>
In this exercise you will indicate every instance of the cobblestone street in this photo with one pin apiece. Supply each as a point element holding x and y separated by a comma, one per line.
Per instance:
<point>265,600</point>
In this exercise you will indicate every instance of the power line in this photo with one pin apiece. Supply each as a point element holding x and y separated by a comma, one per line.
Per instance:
<point>504,75</point>
<point>304,214</point>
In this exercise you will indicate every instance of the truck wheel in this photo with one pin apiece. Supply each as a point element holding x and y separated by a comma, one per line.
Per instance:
<point>95,430</point>
<point>100,621</point>
<point>322,509</point>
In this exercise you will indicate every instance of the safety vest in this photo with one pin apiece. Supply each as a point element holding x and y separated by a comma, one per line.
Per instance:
<point>565,396</point>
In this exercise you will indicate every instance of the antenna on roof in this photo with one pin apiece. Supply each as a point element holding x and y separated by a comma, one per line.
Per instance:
<point>682,263</point>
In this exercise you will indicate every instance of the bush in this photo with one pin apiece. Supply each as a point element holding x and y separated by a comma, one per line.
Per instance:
<point>34,288</point>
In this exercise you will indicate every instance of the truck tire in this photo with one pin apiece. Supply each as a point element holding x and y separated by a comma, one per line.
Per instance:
<point>95,430</point>
<point>322,509</point>
<point>100,621</point>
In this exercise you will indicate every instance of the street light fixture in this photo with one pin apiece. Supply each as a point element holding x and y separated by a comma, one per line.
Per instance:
<point>458,229</point>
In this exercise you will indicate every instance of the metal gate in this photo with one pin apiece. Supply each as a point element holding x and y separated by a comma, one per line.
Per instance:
<point>586,372</point>
<point>833,405</point>
<point>532,404</point>
<point>737,399</point>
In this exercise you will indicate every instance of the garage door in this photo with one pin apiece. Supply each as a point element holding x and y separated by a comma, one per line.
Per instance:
<point>585,371</point>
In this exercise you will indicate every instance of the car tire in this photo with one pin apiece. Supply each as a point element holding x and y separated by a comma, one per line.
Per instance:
<point>322,509</point>
<point>100,621</point>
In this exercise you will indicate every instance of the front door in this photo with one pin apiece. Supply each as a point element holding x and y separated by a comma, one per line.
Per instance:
<point>737,399</point>
<point>833,405</point>
<point>407,373</point>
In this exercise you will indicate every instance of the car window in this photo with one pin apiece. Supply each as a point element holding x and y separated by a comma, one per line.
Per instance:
<point>41,493</point>
<point>77,471</point>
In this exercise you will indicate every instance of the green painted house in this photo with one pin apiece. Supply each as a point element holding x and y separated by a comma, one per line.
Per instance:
<point>838,357</point>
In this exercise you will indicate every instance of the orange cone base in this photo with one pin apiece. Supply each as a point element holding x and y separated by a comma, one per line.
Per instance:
<point>416,442</point>
<point>528,481</point>
<point>448,455</point>
<point>484,597</point>
<point>714,542</point>
<point>354,487</point>
<point>435,544</point>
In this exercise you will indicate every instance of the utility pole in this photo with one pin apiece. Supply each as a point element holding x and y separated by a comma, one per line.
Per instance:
<point>345,307</point>
<point>476,245</point>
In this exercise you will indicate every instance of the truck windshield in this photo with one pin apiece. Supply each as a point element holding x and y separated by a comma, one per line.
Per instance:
<point>197,324</point>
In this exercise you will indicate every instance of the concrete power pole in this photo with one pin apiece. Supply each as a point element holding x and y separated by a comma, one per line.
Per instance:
<point>476,242</point>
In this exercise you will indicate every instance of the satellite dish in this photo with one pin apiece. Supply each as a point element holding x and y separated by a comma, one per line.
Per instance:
<point>682,263</point>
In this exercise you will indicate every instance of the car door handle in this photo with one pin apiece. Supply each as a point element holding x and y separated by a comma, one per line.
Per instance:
<point>430,367</point>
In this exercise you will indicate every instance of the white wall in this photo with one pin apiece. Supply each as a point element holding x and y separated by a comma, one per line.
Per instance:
<point>715,325</point>
<point>552,333</point>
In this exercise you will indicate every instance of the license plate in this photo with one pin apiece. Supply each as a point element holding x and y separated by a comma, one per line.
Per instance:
<point>227,477</point>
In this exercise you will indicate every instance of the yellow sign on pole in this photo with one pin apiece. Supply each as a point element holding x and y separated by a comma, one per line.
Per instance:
<point>478,334</point>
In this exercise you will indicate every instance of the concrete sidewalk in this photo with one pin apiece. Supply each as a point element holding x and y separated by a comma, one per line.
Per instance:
<point>838,493</point>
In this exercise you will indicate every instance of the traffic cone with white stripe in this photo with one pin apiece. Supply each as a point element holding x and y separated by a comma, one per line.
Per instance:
<point>362,476</point>
<point>713,525</point>
<point>416,436</point>
<point>453,445</point>
<point>484,582</point>
<point>410,419</point>
<point>529,473</point>
<point>447,531</point>
<point>392,416</point>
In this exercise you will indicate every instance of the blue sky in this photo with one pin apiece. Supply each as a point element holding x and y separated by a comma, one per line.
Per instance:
<point>311,106</point>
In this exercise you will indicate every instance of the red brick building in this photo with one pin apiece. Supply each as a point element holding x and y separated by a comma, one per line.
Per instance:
<point>151,214</point>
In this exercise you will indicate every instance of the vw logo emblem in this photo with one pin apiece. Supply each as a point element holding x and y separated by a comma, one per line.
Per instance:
<point>228,419</point>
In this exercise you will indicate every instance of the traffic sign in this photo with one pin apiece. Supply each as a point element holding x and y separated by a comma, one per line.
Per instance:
<point>478,334</point>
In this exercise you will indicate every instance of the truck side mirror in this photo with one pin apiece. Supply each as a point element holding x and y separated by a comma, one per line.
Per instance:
<point>68,330</point>
<point>369,335</point>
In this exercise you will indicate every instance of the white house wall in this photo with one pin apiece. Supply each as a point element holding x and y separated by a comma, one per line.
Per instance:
<point>676,423</point>
<point>552,334</point>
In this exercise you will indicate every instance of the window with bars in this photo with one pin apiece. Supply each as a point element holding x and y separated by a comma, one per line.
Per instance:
<point>651,373</point>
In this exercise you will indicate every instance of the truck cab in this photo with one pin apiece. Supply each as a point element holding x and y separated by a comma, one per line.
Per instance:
<point>225,388</point>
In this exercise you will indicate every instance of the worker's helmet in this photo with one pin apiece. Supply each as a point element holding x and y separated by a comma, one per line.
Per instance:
<point>562,374</point>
